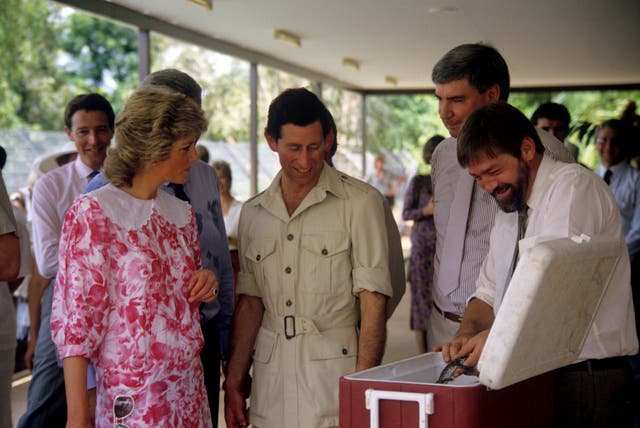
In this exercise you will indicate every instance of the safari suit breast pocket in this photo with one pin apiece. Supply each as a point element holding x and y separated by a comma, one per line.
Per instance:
<point>261,257</point>
<point>325,262</point>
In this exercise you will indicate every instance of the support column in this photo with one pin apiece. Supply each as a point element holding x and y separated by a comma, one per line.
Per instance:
<point>144,54</point>
<point>316,88</point>
<point>253,127</point>
<point>363,132</point>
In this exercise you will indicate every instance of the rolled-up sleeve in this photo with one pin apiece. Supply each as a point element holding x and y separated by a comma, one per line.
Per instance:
<point>370,251</point>
<point>246,279</point>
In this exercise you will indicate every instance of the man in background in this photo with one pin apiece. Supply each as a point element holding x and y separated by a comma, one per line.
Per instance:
<point>613,142</point>
<point>555,119</point>
<point>385,181</point>
<point>89,123</point>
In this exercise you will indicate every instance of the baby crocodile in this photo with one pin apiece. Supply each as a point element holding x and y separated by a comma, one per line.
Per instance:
<point>447,373</point>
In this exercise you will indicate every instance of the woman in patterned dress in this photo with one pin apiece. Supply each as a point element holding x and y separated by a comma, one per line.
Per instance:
<point>130,282</point>
<point>418,206</point>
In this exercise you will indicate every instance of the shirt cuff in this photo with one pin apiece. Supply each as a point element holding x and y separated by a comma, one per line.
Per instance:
<point>247,285</point>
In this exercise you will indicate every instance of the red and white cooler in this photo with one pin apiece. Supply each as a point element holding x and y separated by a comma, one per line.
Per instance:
<point>542,324</point>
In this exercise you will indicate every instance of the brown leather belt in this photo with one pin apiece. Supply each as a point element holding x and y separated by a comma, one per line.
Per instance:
<point>448,315</point>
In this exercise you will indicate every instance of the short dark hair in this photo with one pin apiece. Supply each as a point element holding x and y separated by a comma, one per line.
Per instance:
<point>332,127</point>
<point>481,65</point>
<point>551,111</point>
<point>494,129</point>
<point>299,107</point>
<point>89,102</point>
<point>430,146</point>
<point>3,157</point>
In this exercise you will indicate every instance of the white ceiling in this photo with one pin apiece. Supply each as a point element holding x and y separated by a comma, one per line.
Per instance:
<point>547,43</point>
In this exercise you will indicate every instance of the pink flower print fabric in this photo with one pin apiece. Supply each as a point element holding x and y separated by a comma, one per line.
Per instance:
<point>121,301</point>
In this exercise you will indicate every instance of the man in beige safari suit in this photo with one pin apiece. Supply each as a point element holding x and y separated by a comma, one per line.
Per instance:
<point>310,245</point>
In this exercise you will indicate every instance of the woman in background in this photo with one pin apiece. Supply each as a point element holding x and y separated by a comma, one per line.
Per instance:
<point>230,210</point>
<point>418,206</point>
<point>130,282</point>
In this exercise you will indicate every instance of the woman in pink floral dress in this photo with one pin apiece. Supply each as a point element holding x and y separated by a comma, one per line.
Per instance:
<point>129,281</point>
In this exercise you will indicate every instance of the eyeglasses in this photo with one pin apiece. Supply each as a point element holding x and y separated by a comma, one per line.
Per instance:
<point>122,409</point>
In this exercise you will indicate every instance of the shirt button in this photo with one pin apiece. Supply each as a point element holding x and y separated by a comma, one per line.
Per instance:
<point>287,269</point>
<point>288,302</point>
<point>324,252</point>
<point>290,237</point>
<point>344,351</point>
<point>258,258</point>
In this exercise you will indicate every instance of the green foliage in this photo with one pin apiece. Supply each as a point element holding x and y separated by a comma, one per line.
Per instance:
<point>50,54</point>
<point>225,84</point>
<point>100,56</point>
<point>28,86</point>
<point>345,106</point>
<point>402,122</point>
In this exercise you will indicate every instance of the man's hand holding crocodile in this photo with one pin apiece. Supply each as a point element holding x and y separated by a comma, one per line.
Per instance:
<point>471,336</point>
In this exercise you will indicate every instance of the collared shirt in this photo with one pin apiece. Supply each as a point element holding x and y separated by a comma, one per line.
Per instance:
<point>308,268</point>
<point>202,189</point>
<point>53,194</point>
<point>483,208</point>
<point>567,200</point>
<point>231,221</point>
<point>625,185</point>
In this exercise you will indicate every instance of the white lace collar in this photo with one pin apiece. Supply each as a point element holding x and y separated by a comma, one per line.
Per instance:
<point>132,213</point>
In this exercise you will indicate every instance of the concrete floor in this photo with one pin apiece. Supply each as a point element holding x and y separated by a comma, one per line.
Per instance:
<point>400,344</point>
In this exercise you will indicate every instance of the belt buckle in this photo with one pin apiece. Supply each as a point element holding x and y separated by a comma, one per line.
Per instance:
<point>289,320</point>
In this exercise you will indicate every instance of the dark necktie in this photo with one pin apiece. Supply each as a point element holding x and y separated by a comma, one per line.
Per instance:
<point>522,228</point>
<point>91,175</point>
<point>607,176</point>
<point>178,190</point>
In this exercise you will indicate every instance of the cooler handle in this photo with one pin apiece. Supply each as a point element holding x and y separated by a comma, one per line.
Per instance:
<point>372,403</point>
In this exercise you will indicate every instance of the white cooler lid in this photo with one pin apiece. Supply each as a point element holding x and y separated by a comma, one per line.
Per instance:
<point>548,308</point>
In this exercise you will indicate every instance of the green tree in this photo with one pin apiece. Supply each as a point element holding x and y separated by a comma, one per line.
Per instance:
<point>29,81</point>
<point>99,55</point>
<point>402,122</point>
<point>225,84</point>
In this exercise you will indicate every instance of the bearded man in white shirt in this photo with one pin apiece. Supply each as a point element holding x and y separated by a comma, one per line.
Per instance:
<point>501,150</point>
<point>89,123</point>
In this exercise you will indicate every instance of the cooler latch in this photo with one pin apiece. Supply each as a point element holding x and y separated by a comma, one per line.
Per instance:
<point>372,403</point>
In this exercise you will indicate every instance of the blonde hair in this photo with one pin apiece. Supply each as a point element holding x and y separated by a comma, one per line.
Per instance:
<point>148,125</point>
